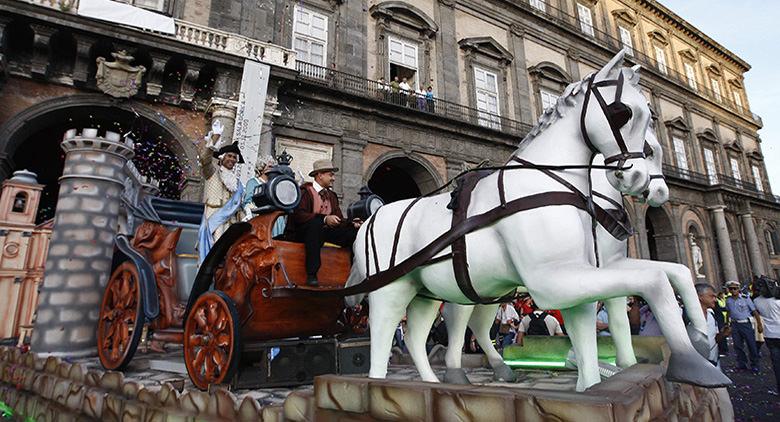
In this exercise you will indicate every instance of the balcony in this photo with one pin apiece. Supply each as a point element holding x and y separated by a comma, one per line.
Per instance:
<point>562,18</point>
<point>205,37</point>
<point>366,88</point>
<point>720,180</point>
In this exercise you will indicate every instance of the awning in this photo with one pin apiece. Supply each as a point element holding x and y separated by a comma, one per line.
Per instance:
<point>126,14</point>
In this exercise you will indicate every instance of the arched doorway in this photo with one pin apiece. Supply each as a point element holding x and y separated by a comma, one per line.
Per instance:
<point>660,236</point>
<point>399,178</point>
<point>30,140</point>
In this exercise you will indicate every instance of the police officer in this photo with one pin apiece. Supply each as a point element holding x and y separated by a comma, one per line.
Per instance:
<point>740,308</point>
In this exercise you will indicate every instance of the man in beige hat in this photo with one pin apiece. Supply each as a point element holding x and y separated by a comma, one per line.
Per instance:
<point>318,218</point>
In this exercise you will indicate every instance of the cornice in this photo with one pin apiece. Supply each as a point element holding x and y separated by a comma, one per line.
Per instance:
<point>681,24</point>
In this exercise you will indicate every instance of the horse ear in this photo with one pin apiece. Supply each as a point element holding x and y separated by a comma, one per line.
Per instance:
<point>613,64</point>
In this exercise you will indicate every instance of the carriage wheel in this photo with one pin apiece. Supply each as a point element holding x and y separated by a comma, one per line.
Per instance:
<point>121,318</point>
<point>211,340</point>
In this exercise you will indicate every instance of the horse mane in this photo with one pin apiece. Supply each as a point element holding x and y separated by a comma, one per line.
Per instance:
<point>566,101</point>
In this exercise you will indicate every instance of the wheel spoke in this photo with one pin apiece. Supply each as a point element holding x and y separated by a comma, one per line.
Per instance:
<point>200,357</point>
<point>196,340</point>
<point>223,339</point>
<point>210,367</point>
<point>212,313</point>
<point>220,358</point>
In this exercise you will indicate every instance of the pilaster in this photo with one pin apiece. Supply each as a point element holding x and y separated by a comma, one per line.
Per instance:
<point>352,146</point>
<point>447,78</point>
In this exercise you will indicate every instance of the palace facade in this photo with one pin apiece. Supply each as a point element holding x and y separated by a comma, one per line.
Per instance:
<point>492,67</point>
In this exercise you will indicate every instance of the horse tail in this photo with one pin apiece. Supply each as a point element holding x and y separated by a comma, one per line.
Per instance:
<point>356,276</point>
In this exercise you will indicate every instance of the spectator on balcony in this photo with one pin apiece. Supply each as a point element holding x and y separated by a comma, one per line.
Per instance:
<point>420,99</point>
<point>383,90</point>
<point>429,99</point>
<point>406,89</point>
<point>395,89</point>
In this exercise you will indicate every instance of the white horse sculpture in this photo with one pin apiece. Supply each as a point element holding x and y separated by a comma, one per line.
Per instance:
<point>613,255</point>
<point>548,250</point>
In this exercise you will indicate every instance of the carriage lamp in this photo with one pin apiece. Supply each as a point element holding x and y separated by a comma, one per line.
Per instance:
<point>364,207</point>
<point>281,192</point>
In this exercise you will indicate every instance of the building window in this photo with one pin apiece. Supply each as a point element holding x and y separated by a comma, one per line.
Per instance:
<point>586,19</point>
<point>403,61</point>
<point>679,153</point>
<point>757,178</point>
<point>548,99</point>
<point>709,162</point>
<point>716,89</point>
<point>735,169</point>
<point>625,39</point>
<point>690,75</point>
<point>487,98</point>
<point>20,202</point>
<point>738,100</point>
<point>310,36</point>
<point>660,59</point>
<point>771,245</point>
<point>539,4</point>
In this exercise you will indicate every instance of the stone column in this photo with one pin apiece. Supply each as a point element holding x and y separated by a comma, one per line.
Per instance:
<point>724,244</point>
<point>223,110</point>
<point>754,250</point>
<point>82,243</point>
<point>352,146</point>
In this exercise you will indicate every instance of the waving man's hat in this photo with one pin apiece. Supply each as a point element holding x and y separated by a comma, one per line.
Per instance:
<point>230,148</point>
<point>323,165</point>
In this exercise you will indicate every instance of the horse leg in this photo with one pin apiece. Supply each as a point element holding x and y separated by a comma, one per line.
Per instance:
<point>386,308</point>
<point>456,317</point>
<point>419,317</point>
<point>620,329</point>
<point>481,320</point>
<point>581,326</point>
<point>682,282</point>
<point>585,283</point>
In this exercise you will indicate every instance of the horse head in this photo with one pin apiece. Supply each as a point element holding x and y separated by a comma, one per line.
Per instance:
<point>614,118</point>
<point>657,192</point>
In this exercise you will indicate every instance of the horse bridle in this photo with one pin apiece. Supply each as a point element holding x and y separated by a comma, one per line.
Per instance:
<point>617,114</point>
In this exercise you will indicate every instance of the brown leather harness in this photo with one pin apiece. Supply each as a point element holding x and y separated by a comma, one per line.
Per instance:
<point>615,221</point>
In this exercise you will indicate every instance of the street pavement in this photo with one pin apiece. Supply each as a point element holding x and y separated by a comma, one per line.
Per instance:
<point>753,395</point>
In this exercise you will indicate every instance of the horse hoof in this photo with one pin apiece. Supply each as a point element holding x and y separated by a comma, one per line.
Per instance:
<point>456,376</point>
<point>504,373</point>
<point>690,368</point>
<point>699,341</point>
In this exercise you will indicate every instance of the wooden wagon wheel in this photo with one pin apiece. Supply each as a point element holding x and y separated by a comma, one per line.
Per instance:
<point>121,318</point>
<point>211,340</point>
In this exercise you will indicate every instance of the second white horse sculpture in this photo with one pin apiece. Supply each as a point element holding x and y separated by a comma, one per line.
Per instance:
<point>549,250</point>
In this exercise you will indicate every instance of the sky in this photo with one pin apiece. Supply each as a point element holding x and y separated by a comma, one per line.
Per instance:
<point>751,30</point>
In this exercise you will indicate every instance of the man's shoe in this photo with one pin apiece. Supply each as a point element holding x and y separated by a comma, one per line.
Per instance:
<point>312,282</point>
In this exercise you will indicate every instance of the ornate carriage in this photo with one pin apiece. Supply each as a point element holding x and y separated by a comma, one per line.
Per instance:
<point>157,293</point>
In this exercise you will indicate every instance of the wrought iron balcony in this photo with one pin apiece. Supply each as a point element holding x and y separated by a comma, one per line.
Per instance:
<point>721,180</point>
<point>382,92</point>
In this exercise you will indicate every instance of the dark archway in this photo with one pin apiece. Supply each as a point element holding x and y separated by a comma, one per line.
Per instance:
<point>31,140</point>
<point>401,178</point>
<point>660,236</point>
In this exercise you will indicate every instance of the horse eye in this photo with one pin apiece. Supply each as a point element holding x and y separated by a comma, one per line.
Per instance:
<point>618,114</point>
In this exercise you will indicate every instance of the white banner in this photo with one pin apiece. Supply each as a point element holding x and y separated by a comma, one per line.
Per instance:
<point>126,14</point>
<point>249,114</point>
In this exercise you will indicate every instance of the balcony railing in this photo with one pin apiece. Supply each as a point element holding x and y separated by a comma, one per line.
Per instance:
<point>203,36</point>
<point>361,87</point>
<point>702,179</point>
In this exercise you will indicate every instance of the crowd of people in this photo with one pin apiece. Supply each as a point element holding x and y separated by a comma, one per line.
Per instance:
<point>402,92</point>
<point>749,314</point>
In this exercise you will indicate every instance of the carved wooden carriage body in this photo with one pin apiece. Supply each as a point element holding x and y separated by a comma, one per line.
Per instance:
<point>157,292</point>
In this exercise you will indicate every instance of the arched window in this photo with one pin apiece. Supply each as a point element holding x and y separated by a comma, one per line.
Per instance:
<point>771,241</point>
<point>20,202</point>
